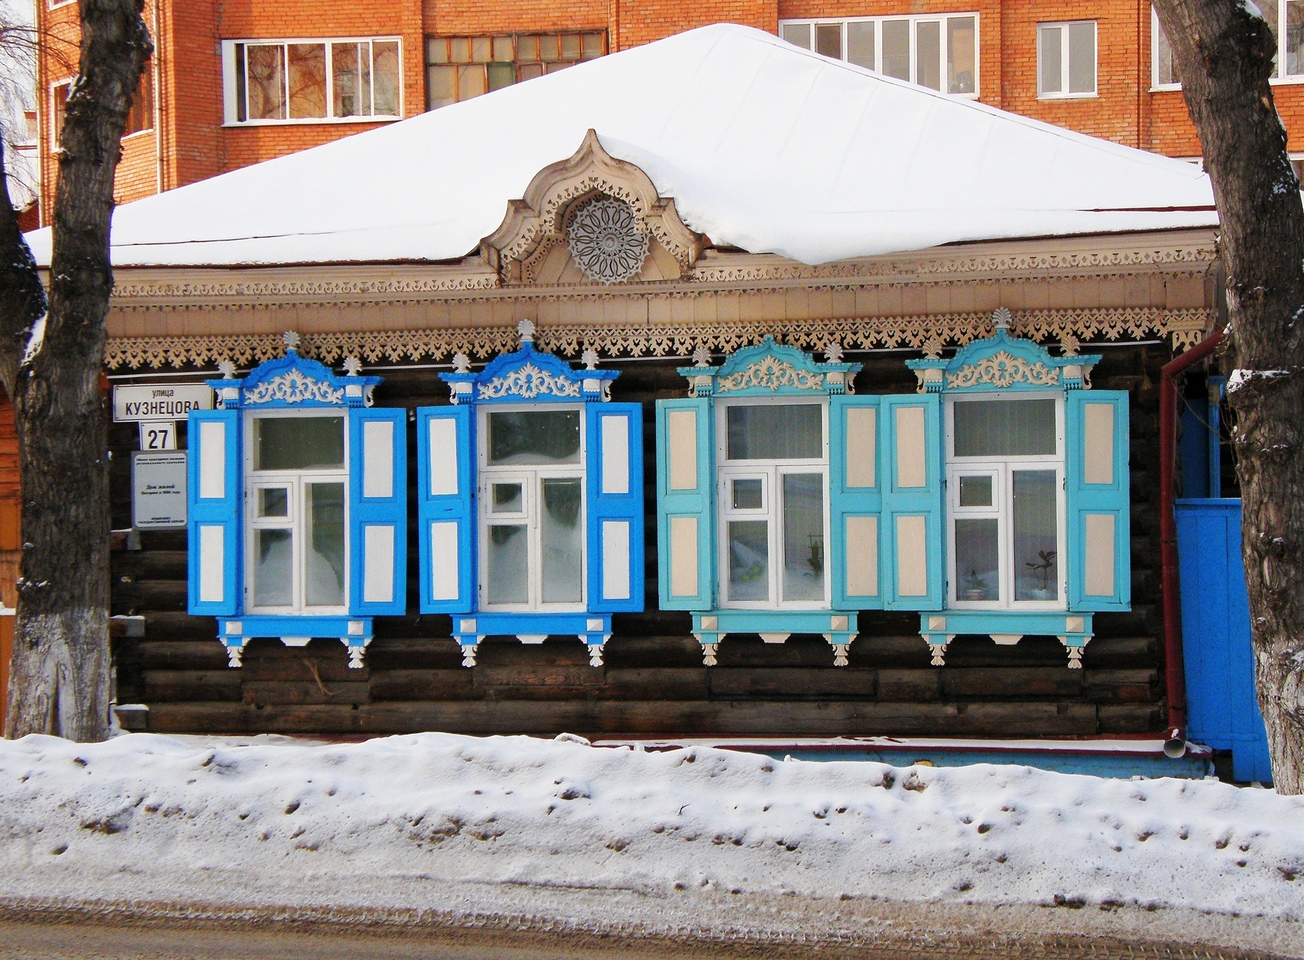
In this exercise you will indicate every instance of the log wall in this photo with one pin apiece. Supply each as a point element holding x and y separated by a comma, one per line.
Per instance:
<point>653,682</point>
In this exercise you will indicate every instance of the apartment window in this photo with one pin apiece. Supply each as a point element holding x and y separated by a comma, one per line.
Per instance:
<point>1289,63</point>
<point>940,52</point>
<point>1005,479</point>
<point>141,115</point>
<point>1066,59</point>
<point>278,81</point>
<point>58,109</point>
<point>459,68</point>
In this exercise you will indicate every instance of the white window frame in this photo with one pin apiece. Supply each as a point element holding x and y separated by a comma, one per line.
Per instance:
<point>56,135</point>
<point>914,21</point>
<point>1001,469</point>
<point>1155,31</point>
<point>231,108</point>
<point>1278,76</point>
<point>531,477</point>
<point>1066,64</point>
<point>296,481</point>
<point>773,472</point>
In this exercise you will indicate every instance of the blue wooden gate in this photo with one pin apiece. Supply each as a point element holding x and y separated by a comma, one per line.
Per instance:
<point>1221,707</point>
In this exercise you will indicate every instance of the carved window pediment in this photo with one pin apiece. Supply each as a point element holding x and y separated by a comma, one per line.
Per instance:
<point>771,369</point>
<point>293,381</point>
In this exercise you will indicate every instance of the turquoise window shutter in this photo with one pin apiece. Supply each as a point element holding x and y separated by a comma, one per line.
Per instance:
<point>855,502</point>
<point>377,512</point>
<point>216,508</point>
<point>1097,495</point>
<point>685,505</point>
<point>911,479</point>
<point>614,477</point>
<point>446,518</point>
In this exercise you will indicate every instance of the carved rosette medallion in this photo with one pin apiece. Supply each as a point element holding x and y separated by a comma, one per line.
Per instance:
<point>607,241</point>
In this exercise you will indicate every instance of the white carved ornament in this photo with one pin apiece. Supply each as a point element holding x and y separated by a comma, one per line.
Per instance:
<point>528,381</point>
<point>1002,370</point>
<point>607,241</point>
<point>293,387</point>
<point>773,373</point>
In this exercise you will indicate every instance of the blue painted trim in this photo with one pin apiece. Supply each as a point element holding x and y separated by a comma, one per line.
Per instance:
<point>367,511</point>
<point>612,507</point>
<point>592,628</point>
<point>846,501</point>
<point>458,507</point>
<point>226,512</point>
<point>698,502</point>
<point>236,632</point>
<point>578,385</point>
<point>925,501</point>
<point>318,386</point>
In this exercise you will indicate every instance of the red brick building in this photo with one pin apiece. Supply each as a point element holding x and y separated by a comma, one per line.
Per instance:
<point>235,83</point>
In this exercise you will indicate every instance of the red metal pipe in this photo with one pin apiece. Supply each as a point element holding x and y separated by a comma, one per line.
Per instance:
<point>1174,675</point>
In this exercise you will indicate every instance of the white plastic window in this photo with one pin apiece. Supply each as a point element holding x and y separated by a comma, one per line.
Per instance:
<point>773,504</point>
<point>296,511</point>
<point>532,509</point>
<point>1066,59</point>
<point>1005,502</point>
<point>289,81</point>
<point>940,52</point>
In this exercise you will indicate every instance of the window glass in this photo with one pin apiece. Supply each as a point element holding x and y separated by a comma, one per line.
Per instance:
<point>507,579</point>
<point>502,49</point>
<point>306,65</point>
<point>471,82</point>
<point>274,502</point>
<point>828,39</point>
<point>803,536</point>
<point>1036,566</point>
<point>385,72</point>
<point>748,493</point>
<point>896,49</point>
<point>775,431</point>
<point>141,115</point>
<point>977,558</point>
<point>324,574</point>
<point>570,46</point>
<point>494,62</point>
<point>1004,428</point>
<point>298,443</point>
<point>441,86</point>
<point>860,43</point>
<point>1165,72</point>
<point>593,45</point>
<point>273,568</point>
<point>348,98</point>
<point>749,560</point>
<point>265,81</point>
<point>561,540</point>
<point>506,498</point>
<point>482,49</point>
<point>797,34</point>
<point>534,437</point>
<point>1082,57</point>
<point>59,98</point>
<point>928,54</point>
<point>961,45</point>
<point>976,491</point>
<point>501,75</point>
<point>1050,51</point>
<point>1294,40</point>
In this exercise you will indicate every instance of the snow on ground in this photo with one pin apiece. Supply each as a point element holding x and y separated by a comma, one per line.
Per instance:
<point>517,811</point>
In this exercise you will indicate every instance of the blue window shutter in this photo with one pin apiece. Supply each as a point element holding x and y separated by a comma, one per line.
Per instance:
<point>855,502</point>
<point>1098,507</point>
<point>685,505</point>
<point>911,533</point>
<point>446,516</point>
<point>377,512</point>
<point>216,513</point>
<point>615,506</point>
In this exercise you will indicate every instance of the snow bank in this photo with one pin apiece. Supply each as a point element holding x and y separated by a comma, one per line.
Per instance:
<point>523,811</point>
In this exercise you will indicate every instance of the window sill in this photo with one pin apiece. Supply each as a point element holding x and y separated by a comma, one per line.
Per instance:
<point>1006,628</point>
<point>1068,96</point>
<point>838,627</point>
<point>307,121</point>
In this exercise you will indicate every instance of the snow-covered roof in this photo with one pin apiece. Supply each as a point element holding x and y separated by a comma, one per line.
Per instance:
<point>762,146</point>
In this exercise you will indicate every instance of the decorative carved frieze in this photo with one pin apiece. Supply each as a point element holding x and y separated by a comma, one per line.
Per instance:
<point>1003,370</point>
<point>293,387</point>
<point>771,373</point>
<point>528,382</point>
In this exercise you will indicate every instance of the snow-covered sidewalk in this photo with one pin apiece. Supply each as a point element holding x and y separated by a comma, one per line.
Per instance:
<point>398,823</point>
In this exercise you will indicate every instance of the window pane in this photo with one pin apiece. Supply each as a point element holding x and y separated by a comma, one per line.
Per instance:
<point>141,116</point>
<point>570,46</point>
<point>501,75</point>
<point>437,50</point>
<point>803,536</point>
<point>1036,567</point>
<point>977,559</point>
<point>592,45</point>
<point>273,502</point>
<point>828,39</point>
<point>482,49</point>
<point>551,436</point>
<point>1052,64</point>
<point>528,71</point>
<point>266,81</point>
<point>470,82</point>
<point>928,54</point>
<point>441,87</point>
<point>961,54</point>
<point>506,498</point>
<point>561,540</point>
<point>1294,65</point>
<point>1004,428</point>
<point>527,47</point>
<point>748,493</point>
<point>896,48</point>
<point>307,74</point>
<point>976,491</point>
<point>508,580</point>
<point>797,33</point>
<point>549,48</point>
<point>459,49</point>
<point>1082,57</point>
<point>346,100</point>
<point>749,560</point>
<point>273,580</point>
<point>384,79</point>
<point>860,43</point>
<point>502,50</point>
<point>298,443</point>
<point>1164,72</point>
<point>324,586</point>
<point>1269,11</point>
<point>772,431</point>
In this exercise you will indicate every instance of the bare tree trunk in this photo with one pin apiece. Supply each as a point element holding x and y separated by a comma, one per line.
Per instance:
<point>1224,57</point>
<point>59,679</point>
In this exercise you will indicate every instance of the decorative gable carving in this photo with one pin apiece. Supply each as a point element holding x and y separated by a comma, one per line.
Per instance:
<point>293,381</point>
<point>638,236</point>
<point>771,369</point>
<point>530,375</point>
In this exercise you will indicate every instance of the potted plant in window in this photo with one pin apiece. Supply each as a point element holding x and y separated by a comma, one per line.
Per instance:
<point>974,586</point>
<point>1042,569</point>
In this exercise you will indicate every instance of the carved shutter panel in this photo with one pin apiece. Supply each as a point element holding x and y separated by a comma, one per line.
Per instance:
<point>216,514</point>
<point>1098,508</point>
<point>855,502</point>
<point>615,506</point>
<point>446,515</point>
<point>685,505</point>
<point>911,479</point>
<point>377,512</point>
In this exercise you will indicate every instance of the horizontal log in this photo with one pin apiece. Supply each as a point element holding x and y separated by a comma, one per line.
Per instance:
<point>1020,683</point>
<point>634,650</point>
<point>1131,718</point>
<point>140,595</point>
<point>413,653</point>
<point>320,660</point>
<point>798,683</point>
<point>263,693</point>
<point>799,650</point>
<point>1117,686</point>
<point>904,686</point>
<point>181,654</point>
<point>453,683</point>
<point>983,651</point>
<point>1135,652</point>
<point>890,650</point>
<point>160,686</point>
<point>149,565</point>
<point>656,683</point>
<point>178,625</point>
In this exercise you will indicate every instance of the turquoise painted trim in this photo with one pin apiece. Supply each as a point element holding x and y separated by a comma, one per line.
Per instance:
<point>226,511</point>
<point>780,371</point>
<point>939,627</point>
<point>841,624</point>
<point>307,384</point>
<point>846,501</point>
<point>1084,499</point>
<point>369,512</point>
<point>698,503</point>
<point>1002,362</point>
<point>615,507</point>
<point>924,501</point>
<point>452,507</point>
